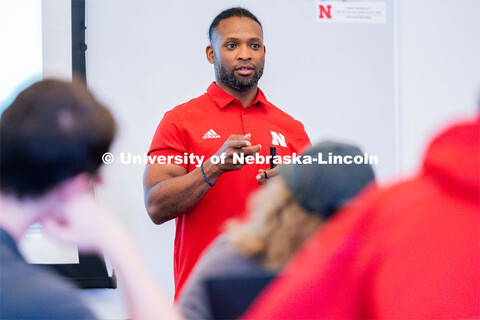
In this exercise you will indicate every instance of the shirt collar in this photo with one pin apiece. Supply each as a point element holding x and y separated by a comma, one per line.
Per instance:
<point>223,99</point>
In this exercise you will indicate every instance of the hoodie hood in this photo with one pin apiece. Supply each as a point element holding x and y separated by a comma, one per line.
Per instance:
<point>453,158</point>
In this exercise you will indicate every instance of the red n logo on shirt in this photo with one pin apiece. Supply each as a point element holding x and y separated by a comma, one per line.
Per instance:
<point>325,11</point>
<point>278,139</point>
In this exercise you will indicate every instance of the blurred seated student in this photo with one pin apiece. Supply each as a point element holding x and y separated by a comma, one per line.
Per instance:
<point>410,251</point>
<point>52,138</point>
<point>283,215</point>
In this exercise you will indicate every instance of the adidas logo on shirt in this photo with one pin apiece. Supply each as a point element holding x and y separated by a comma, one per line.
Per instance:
<point>210,134</point>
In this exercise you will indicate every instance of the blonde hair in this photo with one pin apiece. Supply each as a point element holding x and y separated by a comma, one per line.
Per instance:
<point>276,228</point>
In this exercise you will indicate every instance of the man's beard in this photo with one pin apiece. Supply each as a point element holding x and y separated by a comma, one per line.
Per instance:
<point>238,83</point>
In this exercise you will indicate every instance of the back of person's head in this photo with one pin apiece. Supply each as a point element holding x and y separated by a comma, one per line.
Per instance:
<point>291,207</point>
<point>53,131</point>
<point>230,13</point>
<point>323,188</point>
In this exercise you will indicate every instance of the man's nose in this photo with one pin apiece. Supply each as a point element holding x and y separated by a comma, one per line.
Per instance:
<point>244,53</point>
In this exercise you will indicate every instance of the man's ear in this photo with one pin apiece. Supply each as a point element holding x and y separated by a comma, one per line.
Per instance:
<point>74,186</point>
<point>210,54</point>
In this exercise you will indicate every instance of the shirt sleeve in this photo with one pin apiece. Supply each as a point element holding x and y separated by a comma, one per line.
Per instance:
<point>304,141</point>
<point>30,292</point>
<point>169,139</point>
<point>301,141</point>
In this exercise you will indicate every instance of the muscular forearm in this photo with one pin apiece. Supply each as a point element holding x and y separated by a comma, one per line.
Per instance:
<point>173,197</point>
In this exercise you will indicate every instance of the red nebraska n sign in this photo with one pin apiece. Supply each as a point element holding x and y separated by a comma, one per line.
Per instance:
<point>325,11</point>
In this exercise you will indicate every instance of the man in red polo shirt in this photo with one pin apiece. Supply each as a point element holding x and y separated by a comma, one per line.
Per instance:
<point>232,117</point>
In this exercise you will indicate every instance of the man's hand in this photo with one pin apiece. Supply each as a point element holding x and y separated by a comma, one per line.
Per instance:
<point>84,222</point>
<point>235,144</point>
<point>264,175</point>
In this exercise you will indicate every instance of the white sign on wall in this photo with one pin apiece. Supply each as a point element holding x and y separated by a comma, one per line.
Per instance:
<point>350,12</point>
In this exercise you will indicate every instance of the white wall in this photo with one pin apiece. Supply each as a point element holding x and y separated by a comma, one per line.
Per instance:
<point>21,47</point>
<point>439,70</point>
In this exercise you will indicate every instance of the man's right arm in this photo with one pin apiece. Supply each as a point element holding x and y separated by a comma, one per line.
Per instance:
<point>170,191</point>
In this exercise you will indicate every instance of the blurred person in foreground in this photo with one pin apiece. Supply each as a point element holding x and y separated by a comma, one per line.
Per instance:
<point>52,138</point>
<point>283,215</point>
<point>410,251</point>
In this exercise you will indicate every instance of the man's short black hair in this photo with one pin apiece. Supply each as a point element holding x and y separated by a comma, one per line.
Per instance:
<point>229,13</point>
<point>53,131</point>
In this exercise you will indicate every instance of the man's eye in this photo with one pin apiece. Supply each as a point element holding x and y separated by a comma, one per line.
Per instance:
<point>230,46</point>
<point>255,46</point>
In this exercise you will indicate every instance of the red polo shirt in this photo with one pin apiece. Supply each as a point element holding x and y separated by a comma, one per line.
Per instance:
<point>200,127</point>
